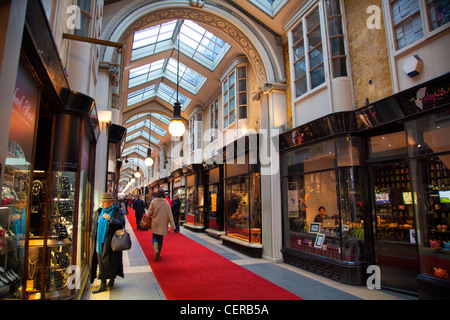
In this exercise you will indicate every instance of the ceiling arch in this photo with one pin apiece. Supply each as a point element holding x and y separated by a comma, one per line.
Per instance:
<point>223,21</point>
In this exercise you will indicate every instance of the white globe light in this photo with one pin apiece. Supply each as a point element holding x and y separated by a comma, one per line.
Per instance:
<point>176,128</point>
<point>137,174</point>
<point>132,180</point>
<point>148,161</point>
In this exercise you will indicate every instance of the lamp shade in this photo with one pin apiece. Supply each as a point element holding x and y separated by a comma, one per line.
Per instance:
<point>176,127</point>
<point>149,160</point>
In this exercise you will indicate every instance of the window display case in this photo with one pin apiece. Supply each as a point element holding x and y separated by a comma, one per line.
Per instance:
<point>194,206</point>
<point>50,254</point>
<point>242,208</point>
<point>393,202</point>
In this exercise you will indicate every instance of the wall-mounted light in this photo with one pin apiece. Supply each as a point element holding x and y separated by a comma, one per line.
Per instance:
<point>412,66</point>
<point>104,116</point>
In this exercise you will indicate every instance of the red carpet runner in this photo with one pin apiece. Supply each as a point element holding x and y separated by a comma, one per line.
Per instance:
<point>190,271</point>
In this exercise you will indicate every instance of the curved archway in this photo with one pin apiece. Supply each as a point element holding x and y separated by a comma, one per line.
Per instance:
<point>247,37</point>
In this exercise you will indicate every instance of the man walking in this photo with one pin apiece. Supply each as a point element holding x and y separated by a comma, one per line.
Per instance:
<point>139,209</point>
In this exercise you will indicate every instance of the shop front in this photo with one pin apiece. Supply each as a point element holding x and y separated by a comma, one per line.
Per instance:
<point>214,200</point>
<point>381,174</point>
<point>195,218</point>
<point>178,185</point>
<point>242,196</point>
<point>47,185</point>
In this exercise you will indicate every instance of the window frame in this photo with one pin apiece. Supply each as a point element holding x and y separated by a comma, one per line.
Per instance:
<point>426,27</point>
<point>214,120</point>
<point>324,43</point>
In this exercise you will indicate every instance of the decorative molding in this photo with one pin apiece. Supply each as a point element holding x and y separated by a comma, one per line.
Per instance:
<point>268,88</point>
<point>207,18</point>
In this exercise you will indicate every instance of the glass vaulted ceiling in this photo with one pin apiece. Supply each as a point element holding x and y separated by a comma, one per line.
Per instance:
<point>145,81</point>
<point>195,42</point>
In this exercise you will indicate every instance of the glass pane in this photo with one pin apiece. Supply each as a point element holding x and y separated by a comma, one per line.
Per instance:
<point>339,67</point>
<point>337,46</point>
<point>393,202</point>
<point>315,57</point>
<point>313,20</point>
<point>299,50</point>
<point>237,209</point>
<point>317,77</point>
<point>333,7</point>
<point>304,196</point>
<point>439,12</point>
<point>300,68</point>
<point>297,33</point>
<point>335,26</point>
<point>387,145</point>
<point>300,86</point>
<point>314,38</point>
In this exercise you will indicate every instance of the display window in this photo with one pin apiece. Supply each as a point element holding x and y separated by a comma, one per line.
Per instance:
<point>181,193</point>
<point>429,148</point>
<point>322,205</point>
<point>213,207</point>
<point>393,201</point>
<point>17,182</point>
<point>242,208</point>
<point>194,206</point>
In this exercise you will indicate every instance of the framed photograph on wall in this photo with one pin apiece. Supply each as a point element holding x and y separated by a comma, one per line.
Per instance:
<point>320,239</point>
<point>314,227</point>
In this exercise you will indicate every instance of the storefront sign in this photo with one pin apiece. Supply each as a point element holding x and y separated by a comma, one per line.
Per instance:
<point>23,116</point>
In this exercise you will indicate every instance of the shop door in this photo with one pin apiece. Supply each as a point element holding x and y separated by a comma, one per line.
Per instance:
<point>395,232</point>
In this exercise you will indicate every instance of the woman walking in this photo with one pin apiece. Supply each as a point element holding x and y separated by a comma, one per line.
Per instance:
<point>106,221</point>
<point>161,215</point>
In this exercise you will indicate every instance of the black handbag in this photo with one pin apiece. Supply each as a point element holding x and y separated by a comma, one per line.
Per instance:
<point>121,240</point>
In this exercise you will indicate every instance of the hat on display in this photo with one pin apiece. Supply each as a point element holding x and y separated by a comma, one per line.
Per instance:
<point>108,196</point>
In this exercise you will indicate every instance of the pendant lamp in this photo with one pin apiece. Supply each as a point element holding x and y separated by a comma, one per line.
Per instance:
<point>176,127</point>
<point>149,160</point>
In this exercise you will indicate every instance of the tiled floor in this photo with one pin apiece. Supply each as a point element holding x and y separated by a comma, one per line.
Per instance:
<point>140,283</point>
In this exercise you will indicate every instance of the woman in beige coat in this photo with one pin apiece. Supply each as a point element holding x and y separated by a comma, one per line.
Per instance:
<point>161,215</point>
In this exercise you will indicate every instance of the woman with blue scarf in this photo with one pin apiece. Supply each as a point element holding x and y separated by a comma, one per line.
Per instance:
<point>106,221</point>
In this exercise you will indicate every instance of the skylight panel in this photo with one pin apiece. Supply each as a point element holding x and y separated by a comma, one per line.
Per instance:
<point>170,95</point>
<point>141,95</point>
<point>146,123</point>
<point>195,42</point>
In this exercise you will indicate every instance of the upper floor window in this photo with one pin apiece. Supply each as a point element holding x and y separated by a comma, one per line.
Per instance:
<point>336,38</point>
<point>214,120</point>
<point>308,54</point>
<point>234,93</point>
<point>229,100</point>
<point>85,18</point>
<point>413,19</point>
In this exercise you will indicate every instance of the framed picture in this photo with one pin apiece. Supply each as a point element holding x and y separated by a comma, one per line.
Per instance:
<point>319,240</point>
<point>345,227</point>
<point>315,227</point>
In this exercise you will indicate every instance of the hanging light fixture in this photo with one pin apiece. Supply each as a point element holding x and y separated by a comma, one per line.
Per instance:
<point>176,127</point>
<point>149,160</point>
<point>137,174</point>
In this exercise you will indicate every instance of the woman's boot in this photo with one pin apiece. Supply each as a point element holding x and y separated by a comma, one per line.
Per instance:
<point>156,249</point>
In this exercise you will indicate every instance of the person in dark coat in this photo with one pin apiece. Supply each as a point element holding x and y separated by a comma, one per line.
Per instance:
<point>106,221</point>
<point>139,210</point>
<point>176,204</point>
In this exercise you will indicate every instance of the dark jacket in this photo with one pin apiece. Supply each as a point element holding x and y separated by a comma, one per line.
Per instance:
<point>176,204</point>
<point>111,261</point>
<point>138,207</point>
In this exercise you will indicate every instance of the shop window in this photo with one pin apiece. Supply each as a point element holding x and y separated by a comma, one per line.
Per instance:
<point>308,188</point>
<point>242,208</point>
<point>430,165</point>
<point>407,17</point>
